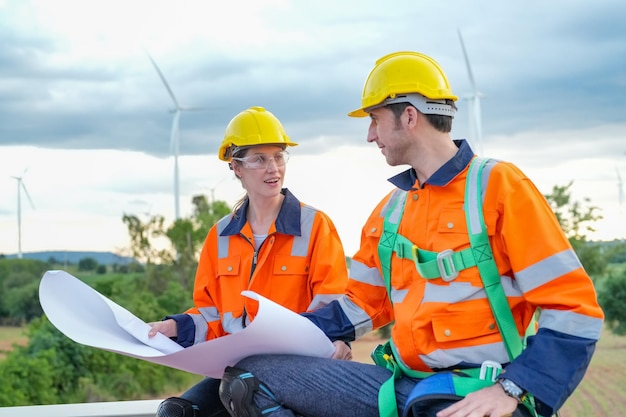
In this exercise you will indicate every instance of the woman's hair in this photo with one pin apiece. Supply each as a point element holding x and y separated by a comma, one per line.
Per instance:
<point>239,153</point>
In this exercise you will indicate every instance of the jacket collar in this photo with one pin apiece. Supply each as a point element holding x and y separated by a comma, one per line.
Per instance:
<point>407,180</point>
<point>287,222</point>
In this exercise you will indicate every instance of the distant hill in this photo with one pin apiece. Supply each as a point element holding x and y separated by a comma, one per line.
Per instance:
<point>73,257</point>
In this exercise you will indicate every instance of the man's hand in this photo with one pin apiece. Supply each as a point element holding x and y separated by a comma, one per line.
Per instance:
<point>491,401</point>
<point>168,327</point>
<point>342,351</point>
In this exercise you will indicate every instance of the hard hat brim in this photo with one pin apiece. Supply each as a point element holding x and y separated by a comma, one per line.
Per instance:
<point>358,113</point>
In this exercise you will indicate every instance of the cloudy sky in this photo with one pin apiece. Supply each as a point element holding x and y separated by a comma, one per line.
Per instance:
<point>85,119</point>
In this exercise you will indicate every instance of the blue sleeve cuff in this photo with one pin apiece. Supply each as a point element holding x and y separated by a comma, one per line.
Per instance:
<point>551,367</point>
<point>186,329</point>
<point>333,322</point>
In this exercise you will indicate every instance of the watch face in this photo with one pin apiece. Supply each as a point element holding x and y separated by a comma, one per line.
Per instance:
<point>511,388</point>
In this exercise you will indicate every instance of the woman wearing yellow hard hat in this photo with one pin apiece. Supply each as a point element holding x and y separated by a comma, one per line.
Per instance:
<point>271,244</point>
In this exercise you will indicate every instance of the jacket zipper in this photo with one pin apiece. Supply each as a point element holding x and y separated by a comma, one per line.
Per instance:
<point>255,259</point>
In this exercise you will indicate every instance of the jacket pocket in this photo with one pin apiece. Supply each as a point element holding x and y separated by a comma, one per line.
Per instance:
<point>463,325</point>
<point>294,291</point>
<point>230,285</point>
<point>228,266</point>
<point>452,221</point>
<point>290,265</point>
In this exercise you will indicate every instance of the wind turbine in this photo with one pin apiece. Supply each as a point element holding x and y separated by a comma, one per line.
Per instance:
<point>20,187</point>
<point>175,134</point>
<point>474,99</point>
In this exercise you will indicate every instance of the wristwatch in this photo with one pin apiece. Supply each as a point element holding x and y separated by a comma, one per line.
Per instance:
<point>511,389</point>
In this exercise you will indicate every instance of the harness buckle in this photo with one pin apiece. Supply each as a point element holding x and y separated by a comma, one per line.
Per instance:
<point>445,264</point>
<point>489,370</point>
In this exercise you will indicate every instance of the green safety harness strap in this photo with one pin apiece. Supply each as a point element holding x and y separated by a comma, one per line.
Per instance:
<point>481,249</point>
<point>446,265</point>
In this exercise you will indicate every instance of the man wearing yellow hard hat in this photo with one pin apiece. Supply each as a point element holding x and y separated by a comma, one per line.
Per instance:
<point>271,243</point>
<point>462,256</point>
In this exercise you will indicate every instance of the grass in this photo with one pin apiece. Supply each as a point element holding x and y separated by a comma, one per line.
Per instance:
<point>10,336</point>
<point>601,393</point>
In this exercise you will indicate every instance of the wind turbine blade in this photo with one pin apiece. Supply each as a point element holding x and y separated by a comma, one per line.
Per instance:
<point>477,122</point>
<point>167,86</point>
<point>475,117</point>
<point>27,195</point>
<point>467,63</point>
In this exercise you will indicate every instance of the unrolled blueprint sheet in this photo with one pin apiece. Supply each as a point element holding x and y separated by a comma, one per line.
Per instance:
<point>87,317</point>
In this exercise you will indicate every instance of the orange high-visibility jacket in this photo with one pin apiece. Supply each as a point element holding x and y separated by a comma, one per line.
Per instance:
<point>301,265</point>
<point>441,325</point>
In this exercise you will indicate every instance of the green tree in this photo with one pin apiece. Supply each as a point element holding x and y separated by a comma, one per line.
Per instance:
<point>182,237</point>
<point>612,298</point>
<point>19,280</point>
<point>617,252</point>
<point>87,264</point>
<point>143,237</point>
<point>180,243</point>
<point>207,214</point>
<point>53,369</point>
<point>22,303</point>
<point>187,236</point>
<point>577,219</point>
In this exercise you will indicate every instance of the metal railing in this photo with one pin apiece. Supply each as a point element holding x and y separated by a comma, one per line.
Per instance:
<point>143,408</point>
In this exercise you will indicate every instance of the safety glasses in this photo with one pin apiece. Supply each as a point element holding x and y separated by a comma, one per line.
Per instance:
<point>262,161</point>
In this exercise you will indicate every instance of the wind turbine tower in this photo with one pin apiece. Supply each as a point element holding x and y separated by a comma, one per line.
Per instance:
<point>174,135</point>
<point>21,187</point>
<point>474,100</point>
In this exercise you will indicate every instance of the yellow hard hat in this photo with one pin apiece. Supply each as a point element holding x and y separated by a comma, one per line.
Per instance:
<point>254,126</point>
<point>406,73</point>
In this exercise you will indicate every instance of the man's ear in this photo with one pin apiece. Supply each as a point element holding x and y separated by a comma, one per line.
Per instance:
<point>412,115</point>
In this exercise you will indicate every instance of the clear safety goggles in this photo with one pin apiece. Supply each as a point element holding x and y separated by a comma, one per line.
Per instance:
<point>262,161</point>
<point>423,104</point>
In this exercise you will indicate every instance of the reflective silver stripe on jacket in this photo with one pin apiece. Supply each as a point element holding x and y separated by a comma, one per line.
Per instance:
<point>395,201</point>
<point>571,323</point>
<point>320,300</point>
<point>440,359</point>
<point>201,328</point>
<point>475,225</point>
<point>361,321</point>
<point>300,245</point>
<point>223,241</point>
<point>459,292</point>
